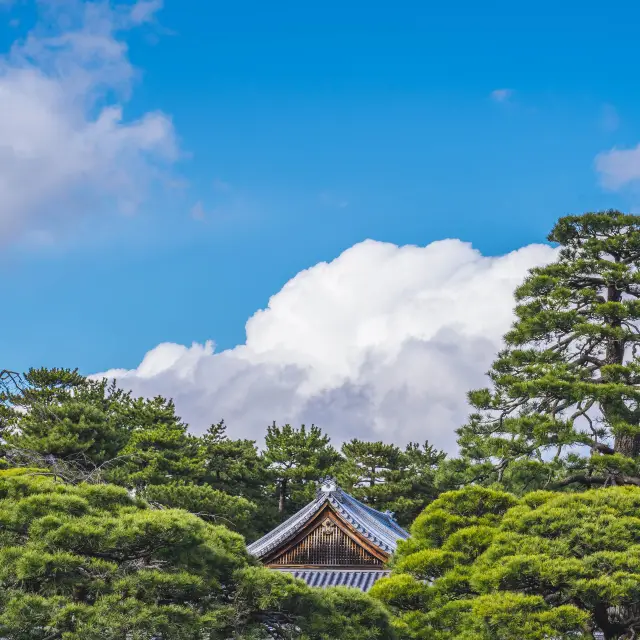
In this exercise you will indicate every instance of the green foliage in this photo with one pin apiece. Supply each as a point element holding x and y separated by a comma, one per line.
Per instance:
<point>61,413</point>
<point>351,614</point>
<point>482,564</point>
<point>89,562</point>
<point>297,460</point>
<point>88,430</point>
<point>568,376</point>
<point>234,466</point>
<point>322,614</point>
<point>95,431</point>
<point>389,478</point>
<point>235,512</point>
<point>159,449</point>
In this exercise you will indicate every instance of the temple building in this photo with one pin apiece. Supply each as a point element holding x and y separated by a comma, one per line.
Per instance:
<point>333,541</point>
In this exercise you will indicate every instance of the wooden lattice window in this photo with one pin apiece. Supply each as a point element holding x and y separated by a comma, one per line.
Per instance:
<point>327,545</point>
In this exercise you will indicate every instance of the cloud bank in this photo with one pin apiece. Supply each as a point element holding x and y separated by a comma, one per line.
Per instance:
<point>381,343</point>
<point>65,146</point>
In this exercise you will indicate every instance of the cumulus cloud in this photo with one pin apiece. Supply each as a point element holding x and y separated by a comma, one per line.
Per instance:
<point>383,342</point>
<point>618,167</point>
<point>65,145</point>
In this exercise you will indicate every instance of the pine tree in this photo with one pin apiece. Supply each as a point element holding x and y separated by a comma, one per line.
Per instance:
<point>234,466</point>
<point>568,378</point>
<point>159,450</point>
<point>90,562</point>
<point>232,511</point>
<point>417,482</point>
<point>485,565</point>
<point>389,478</point>
<point>371,463</point>
<point>58,412</point>
<point>297,460</point>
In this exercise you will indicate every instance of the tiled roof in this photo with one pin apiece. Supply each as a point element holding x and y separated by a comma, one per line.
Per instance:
<point>322,578</point>
<point>380,529</point>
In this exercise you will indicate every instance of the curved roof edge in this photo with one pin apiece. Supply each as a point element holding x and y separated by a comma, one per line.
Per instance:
<point>322,578</point>
<point>380,529</point>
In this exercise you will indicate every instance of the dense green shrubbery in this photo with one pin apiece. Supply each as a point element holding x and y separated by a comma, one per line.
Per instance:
<point>484,565</point>
<point>89,562</point>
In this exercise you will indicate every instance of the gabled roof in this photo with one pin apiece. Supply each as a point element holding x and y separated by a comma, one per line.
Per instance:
<point>380,529</point>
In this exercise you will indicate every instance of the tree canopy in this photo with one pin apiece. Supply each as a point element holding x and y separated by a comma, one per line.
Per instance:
<point>84,429</point>
<point>58,418</point>
<point>296,459</point>
<point>61,413</point>
<point>89,562</point>
<point>484,565</point>
<point>568,378</point>
<point>388,478</point>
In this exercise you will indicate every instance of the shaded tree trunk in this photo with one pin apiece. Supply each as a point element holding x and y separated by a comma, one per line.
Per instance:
<point>609,631</point>
<point>282,496</point>
<point>627,445</point>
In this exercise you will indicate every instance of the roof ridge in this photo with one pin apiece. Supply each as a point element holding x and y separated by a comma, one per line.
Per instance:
<point>379,528</point>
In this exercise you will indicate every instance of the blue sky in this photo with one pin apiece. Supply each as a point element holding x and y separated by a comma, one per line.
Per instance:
<point>302,130</point>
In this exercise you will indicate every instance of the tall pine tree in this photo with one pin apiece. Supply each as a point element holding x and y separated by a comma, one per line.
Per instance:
<point>234,466</point>
<point>59,412</point>
<point>389,478</point>
<point>297,460</point>
<point>568,380</point>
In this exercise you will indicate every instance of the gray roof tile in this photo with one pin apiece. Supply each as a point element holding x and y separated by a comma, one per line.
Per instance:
<point>380,528</point>
<point>322,578</point>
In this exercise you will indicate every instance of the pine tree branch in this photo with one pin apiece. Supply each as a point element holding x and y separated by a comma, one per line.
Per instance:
<point>602,448</point>
<point>596,480</point>
<point>579,479</point>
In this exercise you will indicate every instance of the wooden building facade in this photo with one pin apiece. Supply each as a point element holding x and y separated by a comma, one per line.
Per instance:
<point>335,540</point>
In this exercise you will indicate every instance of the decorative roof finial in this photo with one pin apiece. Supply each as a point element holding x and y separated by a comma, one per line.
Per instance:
<point>328,485</point>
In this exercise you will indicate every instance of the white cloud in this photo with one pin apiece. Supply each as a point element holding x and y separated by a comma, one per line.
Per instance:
<point>618,167</point>
<point>502,95</point>
<point>144,10</point>
<point>65,146</point>
<point>382,342</point>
